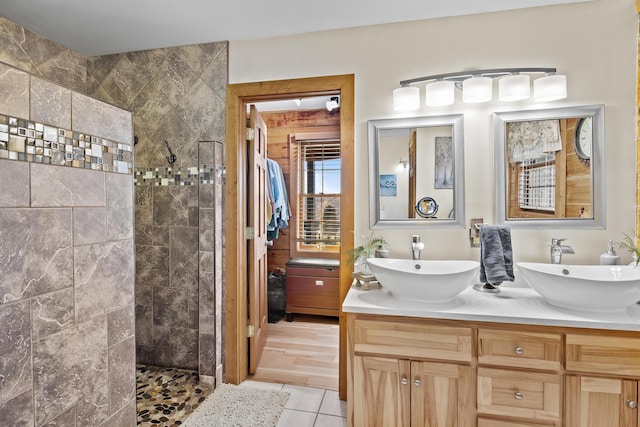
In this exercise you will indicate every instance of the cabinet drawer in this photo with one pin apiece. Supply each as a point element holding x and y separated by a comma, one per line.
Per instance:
<point>317,292</point>
<point>486,422</point>
<point>520,349</point>
<point>613,355</point>
<point>313,271</point>
<point>534,396</point>
<point>411,339</point>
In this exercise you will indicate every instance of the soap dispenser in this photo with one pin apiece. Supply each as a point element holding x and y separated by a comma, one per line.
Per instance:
<point>609,257</point>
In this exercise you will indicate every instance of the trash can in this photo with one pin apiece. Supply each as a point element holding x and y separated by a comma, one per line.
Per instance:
<point>276,298</point>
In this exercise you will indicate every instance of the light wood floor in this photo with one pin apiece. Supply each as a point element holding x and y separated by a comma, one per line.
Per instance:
<point>303,352</point>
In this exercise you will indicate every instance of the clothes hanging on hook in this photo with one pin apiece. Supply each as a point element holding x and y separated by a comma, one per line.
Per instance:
<point>279,200</point>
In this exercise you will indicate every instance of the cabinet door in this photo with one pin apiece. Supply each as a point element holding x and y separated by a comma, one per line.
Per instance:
<point>442,395</point>
<point>598,402</point>
<point>382,392</point>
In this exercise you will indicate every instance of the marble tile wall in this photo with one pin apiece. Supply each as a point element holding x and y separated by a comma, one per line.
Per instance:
<point>41,57</point>
<point>176,95</point>
<point>67,343</point>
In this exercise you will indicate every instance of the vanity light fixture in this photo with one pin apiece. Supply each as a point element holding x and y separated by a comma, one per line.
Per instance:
<point>514,84</point>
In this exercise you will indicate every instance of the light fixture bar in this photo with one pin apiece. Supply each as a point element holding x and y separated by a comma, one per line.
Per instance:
<point>462,75</point>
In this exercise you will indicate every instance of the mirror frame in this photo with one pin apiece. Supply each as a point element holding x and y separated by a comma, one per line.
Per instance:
<point>500,120</point>
<point>456,121</point>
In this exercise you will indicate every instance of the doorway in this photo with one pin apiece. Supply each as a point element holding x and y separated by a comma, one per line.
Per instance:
<point>238,96</point>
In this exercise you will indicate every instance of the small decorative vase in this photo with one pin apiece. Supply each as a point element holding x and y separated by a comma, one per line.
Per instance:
<point>382,253</point>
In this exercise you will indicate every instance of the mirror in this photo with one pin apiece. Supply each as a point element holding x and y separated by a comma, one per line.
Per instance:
<point>550,167</point>
<point>416,172</point>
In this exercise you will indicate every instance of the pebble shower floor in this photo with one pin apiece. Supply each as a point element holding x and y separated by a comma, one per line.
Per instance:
<point>165,396</point>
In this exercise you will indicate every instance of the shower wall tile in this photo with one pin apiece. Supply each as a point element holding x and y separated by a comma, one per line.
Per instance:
<point>144,294</point>
<point>152,265</point>
<point>62,186</point>
<point>171,206</point>
<point>206,261</point>
<point>66,419</point>
<point>206,294</point>
<point>120,206</point>
<point>94,409</point>
<point>122,378</point>
<point>89,225</point>
<point>184,348</point>
<point>184,247</point>
<point>103,277</point>
<point>144,324</point>
<point>15,348</point>
<point>52,312</point>
<point>185,278</point>
<point>206,365</point>
<point>121,324</point>
<point>18,412</point>
<point>43,239</point>
<point>62,374</point>
<point>125,417</point>
<point>14,91</point>
<point>50,103</point>
<point>14,184</point>
<point>206,229</point>
<point>170,307</point>
<point>99,118</point>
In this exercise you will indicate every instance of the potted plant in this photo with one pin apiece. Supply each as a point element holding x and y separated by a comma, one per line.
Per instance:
<point>629,244</point>
<point>358,255</point>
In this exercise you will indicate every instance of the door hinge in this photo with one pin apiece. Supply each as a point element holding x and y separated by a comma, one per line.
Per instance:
<point>251,134</point>
<point>249,233</point>
<point>251,330</point>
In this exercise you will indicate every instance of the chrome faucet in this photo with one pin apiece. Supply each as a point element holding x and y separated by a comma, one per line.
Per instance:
<point>416,246</point>
<point>557,249</point>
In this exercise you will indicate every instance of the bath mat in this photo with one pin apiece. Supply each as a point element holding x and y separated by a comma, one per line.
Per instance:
<point>231,405</point>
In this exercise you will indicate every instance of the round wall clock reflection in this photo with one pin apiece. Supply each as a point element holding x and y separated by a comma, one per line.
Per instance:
<point>426,207</point>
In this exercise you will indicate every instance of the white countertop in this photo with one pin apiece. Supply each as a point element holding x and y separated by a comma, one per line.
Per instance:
<point>514,304</point>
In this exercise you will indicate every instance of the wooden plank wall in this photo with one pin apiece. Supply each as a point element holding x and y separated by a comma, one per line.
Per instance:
<point>280,125</point>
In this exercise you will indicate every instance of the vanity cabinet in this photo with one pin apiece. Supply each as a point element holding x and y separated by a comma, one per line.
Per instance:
<point>601,380</point>
<point>460,373</point>
<point>403,373</point>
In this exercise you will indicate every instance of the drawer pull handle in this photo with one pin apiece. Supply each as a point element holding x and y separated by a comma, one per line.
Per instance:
<point>417,383</point>
<point>632,404</point>
<point>519,350</point>
<point>404,381</point>
<point>518,395</point>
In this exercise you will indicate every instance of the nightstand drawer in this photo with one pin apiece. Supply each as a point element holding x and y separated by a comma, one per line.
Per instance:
<point>520,349</point>
<point>412,340</point>
<point>533,396</point>
<point>610,354</point>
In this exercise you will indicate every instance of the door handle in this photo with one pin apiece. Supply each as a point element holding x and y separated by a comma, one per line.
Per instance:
<point>269,243</point>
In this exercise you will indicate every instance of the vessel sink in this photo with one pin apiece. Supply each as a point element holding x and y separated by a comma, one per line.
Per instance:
<point>424,280</point>
<point>602,288</point>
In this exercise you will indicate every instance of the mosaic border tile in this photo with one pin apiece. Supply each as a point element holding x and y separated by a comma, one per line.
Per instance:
<point>190,175</point>
<point>29,141</point>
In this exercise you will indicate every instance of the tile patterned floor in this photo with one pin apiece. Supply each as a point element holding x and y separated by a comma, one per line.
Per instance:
<point>307,406</point>
<point>166,396</point>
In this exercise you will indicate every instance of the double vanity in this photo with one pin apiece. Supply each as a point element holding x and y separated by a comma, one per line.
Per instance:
<point>507,359</point>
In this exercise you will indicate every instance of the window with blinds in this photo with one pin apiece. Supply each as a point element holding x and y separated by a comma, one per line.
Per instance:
<point>318,213</point>
<point>537,186</point>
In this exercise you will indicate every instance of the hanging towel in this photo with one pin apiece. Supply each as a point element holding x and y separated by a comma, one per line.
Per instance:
<point>496,255</point>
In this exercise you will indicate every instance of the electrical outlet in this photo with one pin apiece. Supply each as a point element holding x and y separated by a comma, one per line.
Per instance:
<point>475,242</point>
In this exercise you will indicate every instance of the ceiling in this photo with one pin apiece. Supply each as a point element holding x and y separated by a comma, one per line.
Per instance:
<point>113,26</point>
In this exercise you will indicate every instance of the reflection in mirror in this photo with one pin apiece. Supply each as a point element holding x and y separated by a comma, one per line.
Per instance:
<point>549,167</point>
<point>416,172</point>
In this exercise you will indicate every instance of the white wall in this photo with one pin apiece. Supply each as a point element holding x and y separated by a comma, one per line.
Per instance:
<point>593,43</point>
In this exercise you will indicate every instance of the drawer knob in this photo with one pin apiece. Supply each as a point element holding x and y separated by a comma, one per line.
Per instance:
<point>632,404</point>
<point>519,350</point>
<point>518,395</point>
<point>404,381</point>
<point>417,383</point>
